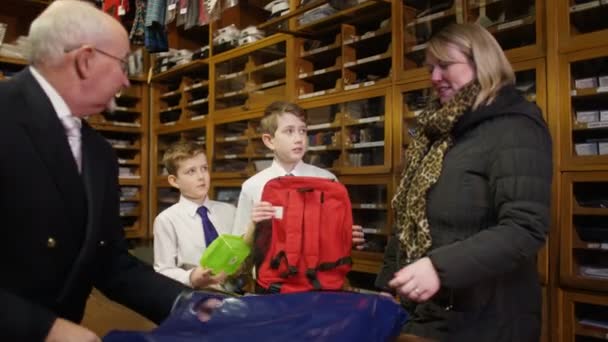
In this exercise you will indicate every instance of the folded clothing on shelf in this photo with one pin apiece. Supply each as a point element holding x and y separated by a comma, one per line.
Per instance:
<point>171,58</point>
<point>315,14</point>
<point>226,34</point>
<point>250,34</point>
<point>594,272</point>
<point>226,38</point>
<point>201,53</point>
<point>2,32</point>
<point>20,49</point>
<point>277,8</point>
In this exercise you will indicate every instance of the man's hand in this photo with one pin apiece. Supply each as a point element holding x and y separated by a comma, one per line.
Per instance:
<point>262,211</point>
<point>66,331</point>
<point>358,237</point>
<point>201,278</point>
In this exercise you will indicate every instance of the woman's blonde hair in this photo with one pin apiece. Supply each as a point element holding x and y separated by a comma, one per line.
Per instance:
<point>492,68</point>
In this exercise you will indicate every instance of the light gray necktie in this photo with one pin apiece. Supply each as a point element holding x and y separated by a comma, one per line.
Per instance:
<point>72,127</point>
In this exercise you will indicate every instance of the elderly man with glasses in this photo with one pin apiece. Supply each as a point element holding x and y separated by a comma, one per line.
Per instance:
<point>62,233</point>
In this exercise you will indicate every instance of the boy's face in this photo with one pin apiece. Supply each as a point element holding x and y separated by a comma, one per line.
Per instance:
<point>290,139</point>
<point>192,178</point>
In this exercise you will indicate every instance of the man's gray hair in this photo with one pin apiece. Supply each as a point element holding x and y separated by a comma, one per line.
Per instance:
<point>64,25</point>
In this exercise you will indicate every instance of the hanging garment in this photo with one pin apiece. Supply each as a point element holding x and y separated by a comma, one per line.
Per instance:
<point>116,8</point>
<point>137,34</point>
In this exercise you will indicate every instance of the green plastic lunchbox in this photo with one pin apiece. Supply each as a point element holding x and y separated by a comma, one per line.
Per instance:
<point>226,253</point>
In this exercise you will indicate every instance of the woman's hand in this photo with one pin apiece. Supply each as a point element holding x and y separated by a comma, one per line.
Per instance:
<point>417,281</point>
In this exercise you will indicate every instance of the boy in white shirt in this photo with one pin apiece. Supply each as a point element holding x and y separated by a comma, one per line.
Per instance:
<point>284,132</point>
<point>183,231</point>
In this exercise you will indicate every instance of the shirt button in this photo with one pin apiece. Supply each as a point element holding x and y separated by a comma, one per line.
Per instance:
<point>102,243</point>
<point>51,243</point>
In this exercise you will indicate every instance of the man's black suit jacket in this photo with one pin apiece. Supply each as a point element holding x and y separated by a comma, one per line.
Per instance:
<point>60,230</point>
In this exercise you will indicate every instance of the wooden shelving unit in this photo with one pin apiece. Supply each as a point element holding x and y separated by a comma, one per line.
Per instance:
<point>581,59</point>
<point>127,131</point>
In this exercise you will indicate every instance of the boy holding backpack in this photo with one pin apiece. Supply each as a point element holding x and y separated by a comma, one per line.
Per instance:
<point>284,132</point>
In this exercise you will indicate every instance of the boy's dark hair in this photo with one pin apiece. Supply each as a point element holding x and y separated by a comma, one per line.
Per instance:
<point>269,123</point>
<point>180,151</point>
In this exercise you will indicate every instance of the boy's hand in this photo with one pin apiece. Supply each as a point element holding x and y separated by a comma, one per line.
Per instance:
<point>262,211</point>
<point>201,277</point>
<point>358,237</point>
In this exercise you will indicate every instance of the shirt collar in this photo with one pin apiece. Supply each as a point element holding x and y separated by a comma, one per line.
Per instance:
<point>191,207</point>
<point>280,171</point>
<point>59,105</point>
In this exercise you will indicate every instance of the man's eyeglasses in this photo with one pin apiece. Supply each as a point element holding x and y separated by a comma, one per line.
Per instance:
<point>124,62</point>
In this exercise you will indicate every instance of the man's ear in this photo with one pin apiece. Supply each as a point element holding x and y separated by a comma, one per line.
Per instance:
<point>83,61</point>
<point>173,181</point>
<point>268,140</point>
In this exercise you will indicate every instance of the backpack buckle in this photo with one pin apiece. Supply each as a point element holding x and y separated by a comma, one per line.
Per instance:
<point>274,288</point>
<point>311,274</point>
<point>291,271</point>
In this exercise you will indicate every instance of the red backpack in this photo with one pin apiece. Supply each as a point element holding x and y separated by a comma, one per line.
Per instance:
<point>307,245</point>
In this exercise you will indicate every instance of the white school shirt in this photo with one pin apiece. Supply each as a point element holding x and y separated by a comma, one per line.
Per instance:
<point>179,240</point>
<point>251,191</point>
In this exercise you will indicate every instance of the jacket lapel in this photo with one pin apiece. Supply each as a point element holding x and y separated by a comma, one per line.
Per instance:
<point>47,135</point>
<point>92,178</point>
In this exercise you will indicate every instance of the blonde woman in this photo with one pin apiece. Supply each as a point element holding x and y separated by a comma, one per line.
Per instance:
<point>472,207</point>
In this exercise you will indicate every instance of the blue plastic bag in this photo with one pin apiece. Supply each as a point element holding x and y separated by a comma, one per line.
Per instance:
<point>310,316</point>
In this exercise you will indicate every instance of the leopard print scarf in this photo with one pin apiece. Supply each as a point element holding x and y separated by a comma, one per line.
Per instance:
<point>424,159</point>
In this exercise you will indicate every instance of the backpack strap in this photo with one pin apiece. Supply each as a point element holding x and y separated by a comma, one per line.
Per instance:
<point>327,266</point>
<point>293,221</point>
<point>312,222</point>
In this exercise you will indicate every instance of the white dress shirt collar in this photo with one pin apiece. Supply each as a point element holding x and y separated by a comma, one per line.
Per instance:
<point>279,171</point>
<point>59,105</point>
<point>190,207</point>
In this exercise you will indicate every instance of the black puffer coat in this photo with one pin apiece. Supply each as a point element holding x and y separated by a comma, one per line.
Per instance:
<point>489,215</point>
